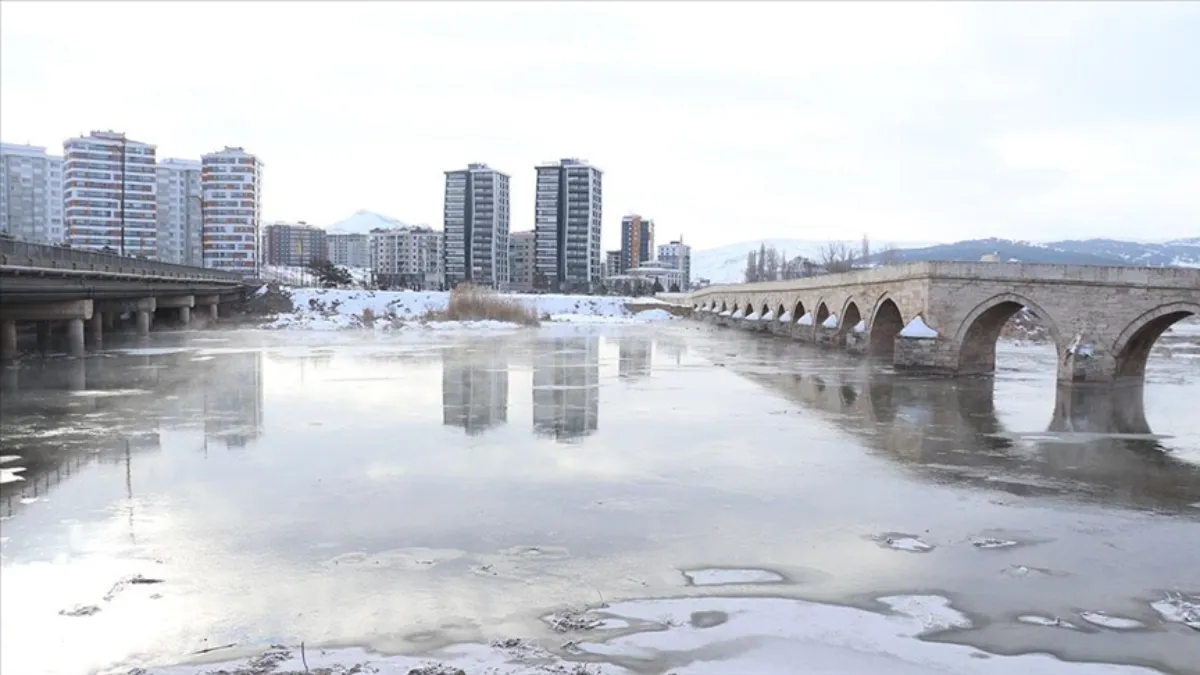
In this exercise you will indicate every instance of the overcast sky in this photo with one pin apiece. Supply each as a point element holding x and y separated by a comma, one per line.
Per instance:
<point>723,122</point>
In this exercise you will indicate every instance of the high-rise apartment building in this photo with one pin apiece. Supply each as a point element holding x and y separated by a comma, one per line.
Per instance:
<point>637,241</point>
<point>31,194</point>
<point>180,212</point>
<point>409,257</point>
<point>476,226</point>
<point>293,244</point>
<point>567,225</point>
<point>678,255</point>
<point>231,183</point>
<point>348,249</point>
<point>522,256</point>
<point>110,201</point>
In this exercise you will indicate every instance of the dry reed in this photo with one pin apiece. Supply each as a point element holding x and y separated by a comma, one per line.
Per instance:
<point>469,302</point>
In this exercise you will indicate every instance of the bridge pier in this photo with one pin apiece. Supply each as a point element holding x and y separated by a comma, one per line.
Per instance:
<point>75,341</point>
<point>211,302</point>
<point>8,340</point>
<point>142,308</point>
<point>96,328</point>
<point>183,303</point>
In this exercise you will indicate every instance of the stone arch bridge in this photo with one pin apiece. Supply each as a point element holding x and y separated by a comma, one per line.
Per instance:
<point>947,316</point>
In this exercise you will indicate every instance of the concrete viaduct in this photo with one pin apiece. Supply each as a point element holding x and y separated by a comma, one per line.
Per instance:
<point>86,291</point>
<point>946,316</point>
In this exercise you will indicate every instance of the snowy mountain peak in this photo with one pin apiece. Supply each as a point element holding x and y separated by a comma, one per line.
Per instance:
<point>364,221</point>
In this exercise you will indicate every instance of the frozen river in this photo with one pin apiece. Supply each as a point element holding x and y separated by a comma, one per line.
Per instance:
<point>741,503</point>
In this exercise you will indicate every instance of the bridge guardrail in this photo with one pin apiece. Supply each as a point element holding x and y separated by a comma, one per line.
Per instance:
<point>25,254</point>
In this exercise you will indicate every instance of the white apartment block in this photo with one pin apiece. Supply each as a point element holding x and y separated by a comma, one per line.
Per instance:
<point>31,194</point>
<point>110,194</point>
<point>180,212</point>
<point>408,256</point>
<point>475,222</point>
<point>567,225</point>
<point>231,186</point>
<point>678,255</point>
<point>522,256</point>
<point>348,249</point>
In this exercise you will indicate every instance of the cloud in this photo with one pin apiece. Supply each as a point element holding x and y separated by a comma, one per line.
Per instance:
<point>723,122</point>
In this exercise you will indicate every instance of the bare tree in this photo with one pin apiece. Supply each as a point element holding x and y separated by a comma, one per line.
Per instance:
<point>771,265</point>
<point>866,249</point>
<point>836,257</point>
<point>751,274</point>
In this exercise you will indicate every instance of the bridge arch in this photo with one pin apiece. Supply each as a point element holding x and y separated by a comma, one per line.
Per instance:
<point>1132,347</point>
<point>780,311</point>
<point>797,310</point>
<point>849,317</point>
<point>884,326</point>
<point>822,313</point>
<point>977,335</point>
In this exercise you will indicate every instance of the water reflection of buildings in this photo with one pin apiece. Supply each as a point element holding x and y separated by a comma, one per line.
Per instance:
<point>633,357</point>
<point>233,400</point>
<point>61,414</point>
<point>475,387</point>
<point>1098,445</point>
<point>566,387</point>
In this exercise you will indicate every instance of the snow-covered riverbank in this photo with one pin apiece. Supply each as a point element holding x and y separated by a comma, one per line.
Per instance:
<point>332,309</point>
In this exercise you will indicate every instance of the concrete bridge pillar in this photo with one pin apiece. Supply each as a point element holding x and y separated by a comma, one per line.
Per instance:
<point>109,319</point>
<point>8,340</point>
<point>183,303</point>
<point>142,309</point>
<point>75,341</point>
<point>211,302</point>
<point>96,328</point>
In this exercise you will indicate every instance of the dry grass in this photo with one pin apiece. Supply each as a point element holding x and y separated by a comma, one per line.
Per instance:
<point>479,303</point>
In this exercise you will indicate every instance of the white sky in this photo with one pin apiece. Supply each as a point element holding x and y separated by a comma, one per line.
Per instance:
<point>723,122</point>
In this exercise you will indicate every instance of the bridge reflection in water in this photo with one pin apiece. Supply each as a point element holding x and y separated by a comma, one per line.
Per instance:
<point>1098,445</point>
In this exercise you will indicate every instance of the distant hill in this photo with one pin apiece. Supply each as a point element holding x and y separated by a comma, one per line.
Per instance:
<point>1177,253</point>
<point>726,264</point>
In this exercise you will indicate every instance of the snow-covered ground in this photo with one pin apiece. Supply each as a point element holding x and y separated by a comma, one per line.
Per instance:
<point>703,636</point>
<point>333,309</point>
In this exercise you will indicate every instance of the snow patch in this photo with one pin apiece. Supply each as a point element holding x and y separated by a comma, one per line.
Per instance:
<point>1109,621</point>
<point>861,326</point>
<point>785,317</point>
<point>1179,608</point>
<point>806,320</point>
<point>831,321</point>
<point>1054,622</point>
<point>917,328</point>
